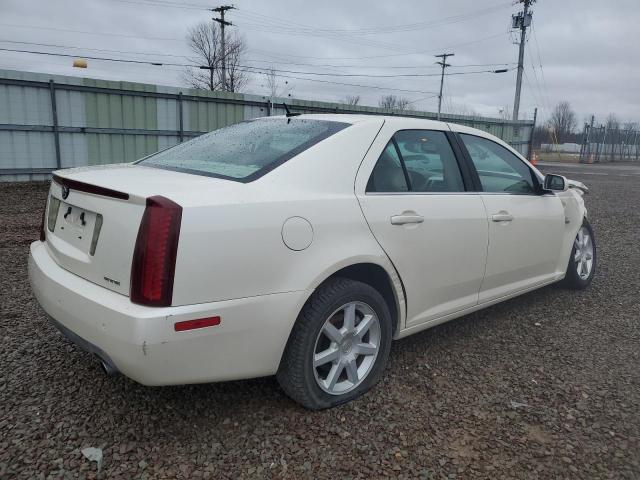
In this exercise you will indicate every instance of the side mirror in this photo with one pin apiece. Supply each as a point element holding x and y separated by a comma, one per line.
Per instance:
<point>556,183</point>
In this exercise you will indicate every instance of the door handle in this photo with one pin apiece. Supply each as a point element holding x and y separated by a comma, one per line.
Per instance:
<point>502,216</point>
<point>405,219</point>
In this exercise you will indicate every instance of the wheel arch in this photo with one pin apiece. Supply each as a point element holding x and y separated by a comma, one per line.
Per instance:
<point>380,275</point>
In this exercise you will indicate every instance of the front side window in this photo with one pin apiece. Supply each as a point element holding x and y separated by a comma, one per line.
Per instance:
<point>500,171</point>
<point>245,151</point>
<point>417,161</point>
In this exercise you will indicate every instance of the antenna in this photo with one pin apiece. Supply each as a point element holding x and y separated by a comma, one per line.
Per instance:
<point>289,114</point>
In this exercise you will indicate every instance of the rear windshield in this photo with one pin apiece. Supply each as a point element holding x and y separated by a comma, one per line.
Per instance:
<point>245,151</point>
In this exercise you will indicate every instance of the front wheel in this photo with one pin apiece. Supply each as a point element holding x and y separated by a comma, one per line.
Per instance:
<point>338,347</point>
<point>582,263</point>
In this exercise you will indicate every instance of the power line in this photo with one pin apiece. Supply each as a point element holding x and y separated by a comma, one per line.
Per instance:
<point>266,23</point>
<point>264,52</point>
<point>544,81</point>
<point>110,34</point>
<point>421,99</point>
<point>391,67</point>
<point>542,95</point>
<point>364,75</point>
<point>127,52</point>
<point>421,52</point>
<point>246,67</point>
<point>184,6</point>
<point>373,30</point>
<point>269,62</point>
<point>249,69</point>
<point>106,59</point>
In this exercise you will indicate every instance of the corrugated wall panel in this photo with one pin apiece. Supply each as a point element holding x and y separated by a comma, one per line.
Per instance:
<point>253,111</point>
<point>71,109</point>
<point>104,148</point>
<point>167,111</point>
<point>166,141</point>
<point>25,105</point>
<point>73,149</point>
<point>27,150</point>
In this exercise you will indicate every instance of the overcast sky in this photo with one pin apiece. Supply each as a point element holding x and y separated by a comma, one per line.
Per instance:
<point>582,51</point>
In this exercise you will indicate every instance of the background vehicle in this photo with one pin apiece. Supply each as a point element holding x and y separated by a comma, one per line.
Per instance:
<point>299,246</point>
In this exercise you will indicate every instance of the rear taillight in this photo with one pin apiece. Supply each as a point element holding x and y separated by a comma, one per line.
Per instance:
<point>154,258</point>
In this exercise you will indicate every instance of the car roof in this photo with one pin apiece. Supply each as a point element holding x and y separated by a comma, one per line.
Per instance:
<point>393,123</point>
<point>362,118</point>
<point>404,123</point>
<point>401,121</point>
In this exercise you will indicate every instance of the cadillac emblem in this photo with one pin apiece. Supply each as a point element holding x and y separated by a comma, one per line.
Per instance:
<point>65,192</point>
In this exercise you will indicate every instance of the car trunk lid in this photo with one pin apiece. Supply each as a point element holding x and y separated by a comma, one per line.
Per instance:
<point>94,214</point>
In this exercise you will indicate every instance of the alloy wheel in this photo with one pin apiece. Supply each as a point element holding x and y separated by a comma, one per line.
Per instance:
<point>583,256</point>
<point>346,348</point>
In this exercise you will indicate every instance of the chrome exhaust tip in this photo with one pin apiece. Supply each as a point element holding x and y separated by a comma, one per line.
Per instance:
<point>108,369</point>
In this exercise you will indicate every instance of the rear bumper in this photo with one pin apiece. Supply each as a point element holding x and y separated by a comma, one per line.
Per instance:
<point>107,363</point>
<point>141,342</point>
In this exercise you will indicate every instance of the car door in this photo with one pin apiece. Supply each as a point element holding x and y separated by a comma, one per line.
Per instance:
<point>526,225</point>
<point>412,193</point>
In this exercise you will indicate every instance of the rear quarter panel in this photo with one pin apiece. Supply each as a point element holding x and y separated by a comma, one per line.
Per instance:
<point>233,247</point>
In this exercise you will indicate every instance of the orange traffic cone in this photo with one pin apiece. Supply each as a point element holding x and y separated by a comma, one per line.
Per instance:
<point>534,159</point>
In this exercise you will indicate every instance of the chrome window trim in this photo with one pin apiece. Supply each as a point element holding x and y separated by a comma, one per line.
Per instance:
<point>422,193</point>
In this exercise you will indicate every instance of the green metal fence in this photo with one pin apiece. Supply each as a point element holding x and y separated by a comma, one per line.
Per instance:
<point>49,122</point>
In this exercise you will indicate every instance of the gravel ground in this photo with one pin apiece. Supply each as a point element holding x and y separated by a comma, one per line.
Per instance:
<point>544,386</point>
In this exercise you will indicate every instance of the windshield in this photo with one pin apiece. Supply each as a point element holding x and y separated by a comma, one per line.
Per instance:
<point>245,151</point>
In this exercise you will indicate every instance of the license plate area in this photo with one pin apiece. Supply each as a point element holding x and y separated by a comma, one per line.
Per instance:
<point>75,226</point>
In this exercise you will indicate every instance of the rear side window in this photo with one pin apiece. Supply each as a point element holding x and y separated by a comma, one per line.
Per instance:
<point>423,161</point>
<point>500,171</point>
<point>245,151</point>
<point>388,174</point>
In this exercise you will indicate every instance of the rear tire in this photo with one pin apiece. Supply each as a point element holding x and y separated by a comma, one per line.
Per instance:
<point>339,345</point>
<point>582,262</point>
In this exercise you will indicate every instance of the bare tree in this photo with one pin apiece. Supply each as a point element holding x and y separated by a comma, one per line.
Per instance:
<point>352,100</point>
<point>541,134</point>
<point>562,121</point>
<point>274,87</point>
<point>236,76</point>
<point>393,101</point>
<point>204,41</point>
<point>271,82</point>
<point>612,122</point>
<point>459,109</point>
<point>630,125</point>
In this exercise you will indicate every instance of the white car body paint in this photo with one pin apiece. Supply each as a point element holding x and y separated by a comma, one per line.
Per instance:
<point>246,254</point>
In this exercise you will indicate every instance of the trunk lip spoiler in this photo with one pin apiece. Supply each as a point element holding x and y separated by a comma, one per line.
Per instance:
<point>89,188</point>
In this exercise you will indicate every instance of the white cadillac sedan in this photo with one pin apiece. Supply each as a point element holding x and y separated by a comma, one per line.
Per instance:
<point>299,246</point>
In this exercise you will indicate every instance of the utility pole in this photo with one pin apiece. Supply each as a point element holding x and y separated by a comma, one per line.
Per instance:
<point>444,65</point>
<point>223,23</point>
<point>522,20</point>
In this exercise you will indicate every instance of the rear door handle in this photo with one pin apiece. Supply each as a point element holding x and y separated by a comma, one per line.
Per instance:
<point>404,219</point>
<point>502,216</point>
